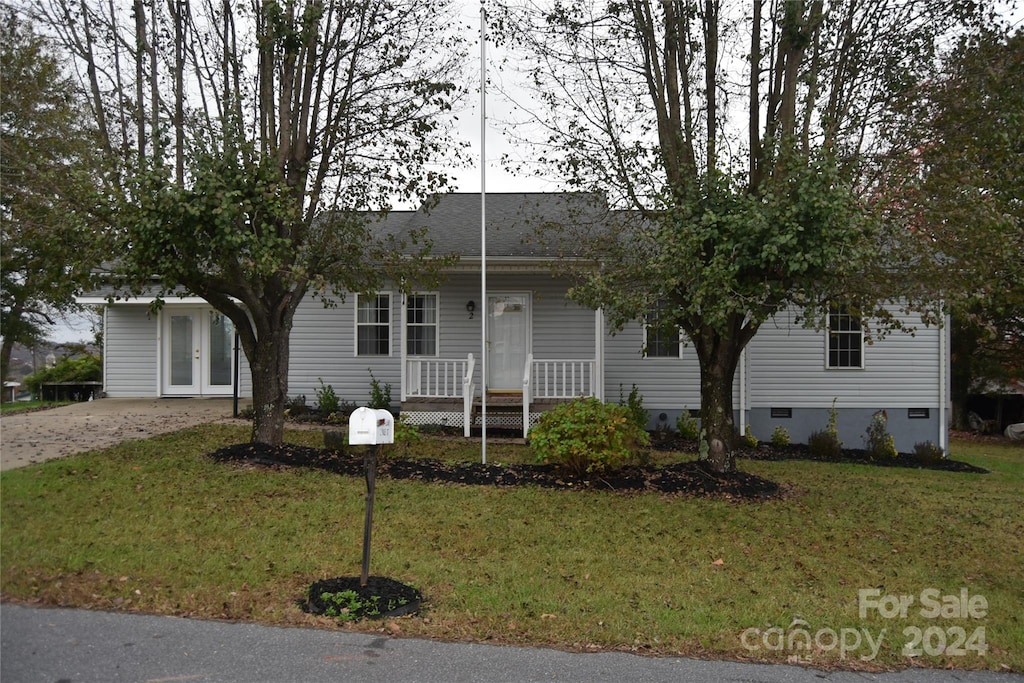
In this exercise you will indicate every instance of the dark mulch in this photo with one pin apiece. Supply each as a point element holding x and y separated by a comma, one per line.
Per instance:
<point>799,451</point>
<point>688,478</point>
<point>380,597</point>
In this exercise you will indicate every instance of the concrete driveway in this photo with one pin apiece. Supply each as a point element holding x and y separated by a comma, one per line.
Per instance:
<point>27,438</point>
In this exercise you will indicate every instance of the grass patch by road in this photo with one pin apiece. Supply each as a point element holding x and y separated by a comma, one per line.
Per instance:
<point>10,408</point>
<point>157,526</point>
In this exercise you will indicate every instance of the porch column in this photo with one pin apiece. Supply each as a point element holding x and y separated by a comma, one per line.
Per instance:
<point>599,354</point>
<point>402,351</point>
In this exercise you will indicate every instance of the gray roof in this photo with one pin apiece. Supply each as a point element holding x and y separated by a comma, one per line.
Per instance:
<point>452,222</point>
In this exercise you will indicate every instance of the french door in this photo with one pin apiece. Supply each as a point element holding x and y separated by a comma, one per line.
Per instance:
<point>197,352</point>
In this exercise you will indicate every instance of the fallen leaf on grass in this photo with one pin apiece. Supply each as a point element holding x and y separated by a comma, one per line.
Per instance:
<point>718,563</point>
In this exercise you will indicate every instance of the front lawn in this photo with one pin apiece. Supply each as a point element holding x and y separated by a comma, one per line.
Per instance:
<point>158,526</point>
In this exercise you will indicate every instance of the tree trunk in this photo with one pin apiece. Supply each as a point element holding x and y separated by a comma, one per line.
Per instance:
<point>719,356</point>
<point>269,365</point>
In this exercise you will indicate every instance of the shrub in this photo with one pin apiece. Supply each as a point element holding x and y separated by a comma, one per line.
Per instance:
<point>749,439</point>
<point>586,435</point>
<point>327,402</point>
<point>295,406</point>
<point>635,405</point>
<point>88,368</point>
<point>406,436</point>
<point>926,451</point>
<point>380,394</point>
<point>879,443</point>
<point>780,436</point>
<point>686,425</point>
<point>825,443</point>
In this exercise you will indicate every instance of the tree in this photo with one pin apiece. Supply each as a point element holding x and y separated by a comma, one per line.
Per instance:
<point>256,140</point>
<point>45,154</point>
<point>963,192</point>
<point>740,144</point>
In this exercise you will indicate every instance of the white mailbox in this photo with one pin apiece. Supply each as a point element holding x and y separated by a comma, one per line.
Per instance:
<point>372,427</point>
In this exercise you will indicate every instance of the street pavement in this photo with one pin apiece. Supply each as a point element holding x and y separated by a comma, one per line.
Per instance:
<point>52,645</point>
<point>78,646</point>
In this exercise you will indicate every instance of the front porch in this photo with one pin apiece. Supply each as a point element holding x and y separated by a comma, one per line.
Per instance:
<point>446,391</point>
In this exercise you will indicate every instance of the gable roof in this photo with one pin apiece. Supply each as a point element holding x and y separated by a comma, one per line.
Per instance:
<point>452,222</point>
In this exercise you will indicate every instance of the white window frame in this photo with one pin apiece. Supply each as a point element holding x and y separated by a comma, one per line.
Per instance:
<point>646,332</point>
<point>436,324</point>
<point>858,333</point>
<point>390,323</point>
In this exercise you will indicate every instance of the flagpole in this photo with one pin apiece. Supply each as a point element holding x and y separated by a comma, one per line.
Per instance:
<point>483,232</point>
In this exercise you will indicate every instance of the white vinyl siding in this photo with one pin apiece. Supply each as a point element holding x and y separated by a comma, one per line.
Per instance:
<point>788,368</point>
<point>131,352</point>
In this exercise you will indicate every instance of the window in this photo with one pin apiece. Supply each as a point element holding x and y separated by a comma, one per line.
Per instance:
<point>421,325</point>
<point>845,340</point>
<point>660,340</point>
<point>373,325</point>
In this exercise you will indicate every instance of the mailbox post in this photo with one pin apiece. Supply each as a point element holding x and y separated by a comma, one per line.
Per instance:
<point>368,427</point>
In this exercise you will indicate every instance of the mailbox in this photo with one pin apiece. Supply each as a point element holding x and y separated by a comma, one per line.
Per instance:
<point>367,426</point>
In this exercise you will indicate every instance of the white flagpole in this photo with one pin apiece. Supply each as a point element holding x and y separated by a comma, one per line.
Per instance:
<point>485,308</point>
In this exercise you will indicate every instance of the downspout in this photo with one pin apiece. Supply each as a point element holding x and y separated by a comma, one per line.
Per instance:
<point>943,384</point>
<point>599,354</point>
<point>743,392</point>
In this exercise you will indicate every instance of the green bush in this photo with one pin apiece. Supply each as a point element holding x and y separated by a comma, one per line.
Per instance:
<point>327,401</point>
<point>926,451</point>
<point>749,439</point>
<point>879,443</point>
<point>826,443</point>
<point>687,426</point>
<point>780,436</point>
<point>586,435</point>
<point>635,405</point>
<point>380,394</point>
<point>88,368</point>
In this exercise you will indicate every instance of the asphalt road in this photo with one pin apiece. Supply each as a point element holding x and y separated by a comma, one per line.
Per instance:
<point>79,646</point>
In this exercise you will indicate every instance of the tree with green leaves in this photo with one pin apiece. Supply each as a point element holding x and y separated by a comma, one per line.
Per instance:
<point>45,164</point>
<point>256,143</point>
<point>963,146</point>
<point>740,143</point>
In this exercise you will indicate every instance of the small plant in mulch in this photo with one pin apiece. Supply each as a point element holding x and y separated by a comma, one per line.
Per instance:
<point>345,599</point>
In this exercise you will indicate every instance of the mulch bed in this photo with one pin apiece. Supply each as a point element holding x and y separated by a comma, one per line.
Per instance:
<point>381,597</point>
<point>770,452</point>
<point>688,478</point>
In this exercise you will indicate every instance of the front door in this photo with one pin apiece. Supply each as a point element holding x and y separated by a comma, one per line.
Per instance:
<point>508,340</point>
<point>197,357</point>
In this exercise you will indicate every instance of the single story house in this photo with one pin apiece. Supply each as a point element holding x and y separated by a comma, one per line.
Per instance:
<point>541,347</point>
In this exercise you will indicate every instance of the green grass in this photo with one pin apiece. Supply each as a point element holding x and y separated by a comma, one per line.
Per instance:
<point>28,406</point>
<point>156,526</point>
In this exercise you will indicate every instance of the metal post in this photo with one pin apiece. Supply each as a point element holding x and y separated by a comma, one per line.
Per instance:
<point>370,460</point>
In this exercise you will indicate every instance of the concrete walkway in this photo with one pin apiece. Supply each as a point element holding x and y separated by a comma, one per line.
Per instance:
<point>27,438</point>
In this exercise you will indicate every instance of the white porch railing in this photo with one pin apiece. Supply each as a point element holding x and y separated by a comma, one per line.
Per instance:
<point>442,378</point>
<point>436,377</point>
<point>556,379</point>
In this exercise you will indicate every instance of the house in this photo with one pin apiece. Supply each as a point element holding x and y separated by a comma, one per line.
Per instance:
<point>541,347</point>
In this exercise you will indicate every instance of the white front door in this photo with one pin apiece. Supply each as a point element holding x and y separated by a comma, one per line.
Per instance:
<point>508,340</point>
<point>197,353</point>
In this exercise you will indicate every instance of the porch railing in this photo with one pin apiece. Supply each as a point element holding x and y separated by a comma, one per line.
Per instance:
<point>443,378</point>
<point>556,379</point>
<point>436,377</point>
